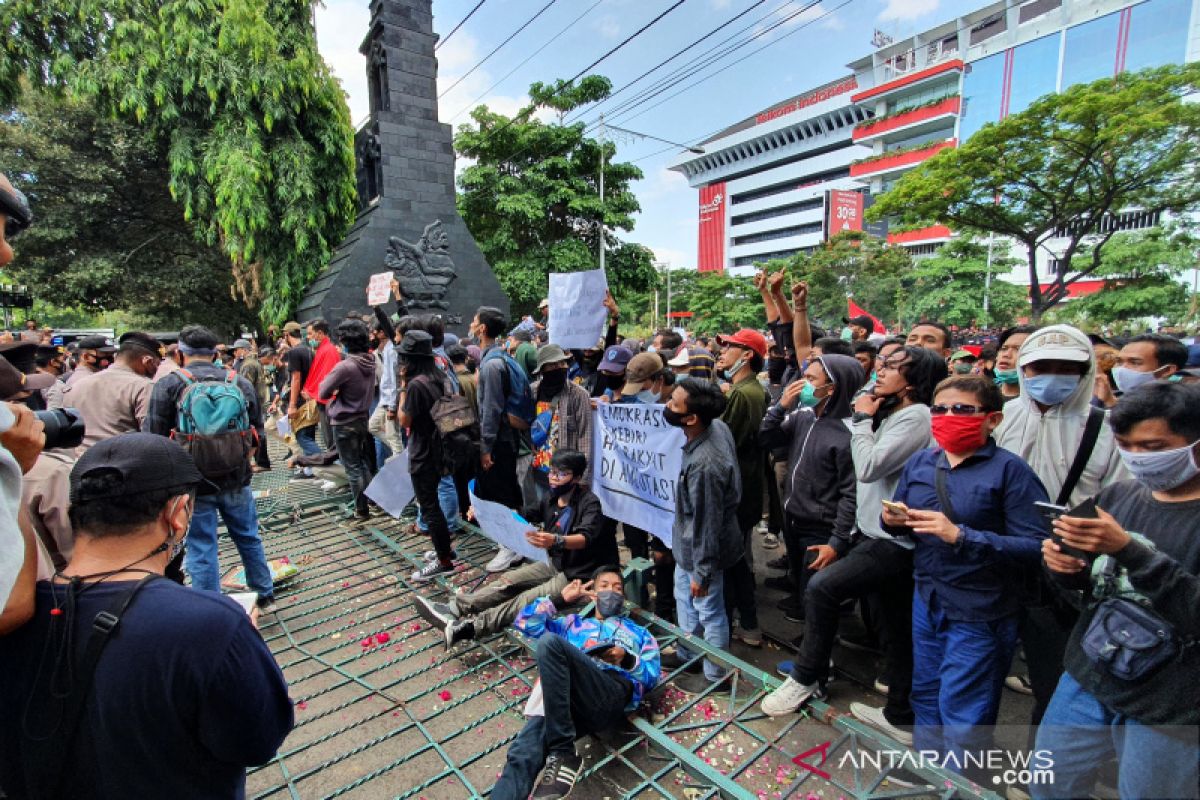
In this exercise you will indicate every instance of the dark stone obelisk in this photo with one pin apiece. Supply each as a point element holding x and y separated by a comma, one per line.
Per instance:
<point>407,220</point>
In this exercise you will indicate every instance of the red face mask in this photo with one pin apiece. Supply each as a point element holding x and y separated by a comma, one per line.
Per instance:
<point>958,434</point>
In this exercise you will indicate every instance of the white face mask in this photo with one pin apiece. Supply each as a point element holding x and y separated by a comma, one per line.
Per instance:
<point>1129,379</point>
<point>1163,470</point>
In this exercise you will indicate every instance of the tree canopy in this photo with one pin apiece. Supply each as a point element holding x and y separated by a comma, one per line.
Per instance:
<point>1063,168</point>
<point>255,130</point>
<point>950,285</point>
<point>107,234</point>
<point>532,200</point>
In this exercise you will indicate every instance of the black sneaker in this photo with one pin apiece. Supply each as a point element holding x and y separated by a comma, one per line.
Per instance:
<point>792,608</point>
<point>558,776</point>
<point>459,630</point>
<point>430,571</point>
<point>698,684</point>
<point>266,604</point>
<point>671,661</point>
<point>780,583</point>
<point>439,615</point>
<point>860,644</point>
<point>782,562</point>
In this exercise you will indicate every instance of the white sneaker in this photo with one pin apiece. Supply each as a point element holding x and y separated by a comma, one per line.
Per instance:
<point>749,637</point>
<point>503,559</point>
<point>788,698</point>
<point>874,717</point>
<point>1019,684</point>
<point>770,541</point>
<point>880,686</point>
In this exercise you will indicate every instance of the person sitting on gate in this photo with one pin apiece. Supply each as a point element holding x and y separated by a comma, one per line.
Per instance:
<point>592,672</point>
<point>573,534</point>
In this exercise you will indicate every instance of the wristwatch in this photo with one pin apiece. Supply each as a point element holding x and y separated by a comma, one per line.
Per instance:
<point>860,416</point>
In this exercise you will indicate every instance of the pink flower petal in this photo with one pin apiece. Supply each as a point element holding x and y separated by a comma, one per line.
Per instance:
<point>367,642</point>
<point>383,638</point>
<point>445,695</point>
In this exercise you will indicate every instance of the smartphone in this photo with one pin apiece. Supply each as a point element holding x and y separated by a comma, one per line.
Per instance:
<point>898,508</point>
<point>1085,510</point>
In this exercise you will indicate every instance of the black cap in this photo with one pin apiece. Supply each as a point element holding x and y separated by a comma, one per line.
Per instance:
<point>144,462</point>
<point>21,355</point>
<point>416,343</point>
<point>862,321</point>
<point>142,340</point>
<point>97,343</point>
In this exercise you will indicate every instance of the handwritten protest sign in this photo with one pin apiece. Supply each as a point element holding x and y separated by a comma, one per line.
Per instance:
<point>638,457</point>
<point>392,487</point>
<point>505,527</point>
<point>379,288</point>
<point>577,312</point>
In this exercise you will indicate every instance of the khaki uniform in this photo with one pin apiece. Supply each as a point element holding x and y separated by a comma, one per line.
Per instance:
<point>112,402</point>
<point>46,495</point>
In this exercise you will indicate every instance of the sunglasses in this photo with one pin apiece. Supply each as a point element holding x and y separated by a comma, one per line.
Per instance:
<point>958,409</point>
<point>15,208</point>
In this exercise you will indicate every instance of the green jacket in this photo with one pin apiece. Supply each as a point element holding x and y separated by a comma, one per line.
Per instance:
<point>744,414</point>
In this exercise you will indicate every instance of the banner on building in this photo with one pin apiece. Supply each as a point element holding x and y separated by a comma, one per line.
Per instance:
<point>577,312</point>
<point>843,212</point>
<point>711,250</point>
<point>637,461</point>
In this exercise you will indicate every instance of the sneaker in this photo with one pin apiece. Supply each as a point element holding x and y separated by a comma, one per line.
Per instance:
<point>266,604</point>
<point>698,683</point>
<point>558,776</point>
<point>781,562</point>
<point>751,637</point>
<point>784,668</point>
<point>770,541</point>
<point>328,486</point>
<point>859,644</point>
<point>780,583</point>
<point>430,571</point>
<point>459,630</point>
<point>788,698</point>
<point>870,715</point>
<point>303,474</point>
<point>792,608</point>
<point>1019,684</point>
<point>439,615</point>
<point>503,559</point>
<point>431,555</point>
<point>880,686</point>
<point>671,661</point>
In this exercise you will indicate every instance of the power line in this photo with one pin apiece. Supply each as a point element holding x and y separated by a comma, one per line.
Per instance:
<point>462,22</point>
<point>496,49</point>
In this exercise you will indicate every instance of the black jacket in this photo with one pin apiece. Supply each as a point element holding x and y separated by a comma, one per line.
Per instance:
<point>586,519</point>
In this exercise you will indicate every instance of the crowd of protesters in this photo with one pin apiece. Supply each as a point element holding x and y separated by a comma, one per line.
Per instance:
<point>975,494</point>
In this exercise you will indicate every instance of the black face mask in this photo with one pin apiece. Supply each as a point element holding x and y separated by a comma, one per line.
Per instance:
<point>562,489</point>
<point>552,382</point>
<point>592,360</point>
<point>776,366</point>
<point>673,417</point>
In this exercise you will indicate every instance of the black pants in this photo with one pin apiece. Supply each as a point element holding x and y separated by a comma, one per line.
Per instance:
<point>425,487</point>
<point>740,591</point>
<point>1044,632</point>
<point>872,565</point>
<point>356,451</point>
<point>798,536</point>
<point>261,457</point>
<point>499,484</point>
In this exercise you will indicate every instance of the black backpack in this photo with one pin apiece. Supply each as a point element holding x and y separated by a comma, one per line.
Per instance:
<point>457,425</point>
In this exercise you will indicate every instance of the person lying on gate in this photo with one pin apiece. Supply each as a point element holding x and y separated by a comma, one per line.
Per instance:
<point>573,534</point>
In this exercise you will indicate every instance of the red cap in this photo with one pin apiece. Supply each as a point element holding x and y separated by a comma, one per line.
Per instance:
<point>747,338</point>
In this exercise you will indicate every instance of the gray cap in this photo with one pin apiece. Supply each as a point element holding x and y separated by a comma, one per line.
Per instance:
<point>242,343</point>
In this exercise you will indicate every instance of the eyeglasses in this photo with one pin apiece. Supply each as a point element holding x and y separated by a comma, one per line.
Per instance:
<point>558,473</point>
<point>958,409</point>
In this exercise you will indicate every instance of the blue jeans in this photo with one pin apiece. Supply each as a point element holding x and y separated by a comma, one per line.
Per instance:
<point>448,502</point>
<point>306,438</point>
<point>958,675</point>
<point>702,616</point>
<point>241,521</point>
<point>579,698</point>
<point>1081,733</point>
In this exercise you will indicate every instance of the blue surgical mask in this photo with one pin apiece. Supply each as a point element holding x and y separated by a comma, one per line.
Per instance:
<point>609,603</point>
<point>648,397</point>
<point>1050,390</point>
<point>732,371</point>
<point>1003,377</point>
<point>1163,470</point>
<point>1129,379</point>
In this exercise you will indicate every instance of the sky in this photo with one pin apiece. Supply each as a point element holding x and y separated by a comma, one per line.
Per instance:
<point>808,50</point>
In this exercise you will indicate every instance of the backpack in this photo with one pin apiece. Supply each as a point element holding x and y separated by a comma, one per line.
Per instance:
<point>212,422</point>
<point>457,426</point>
<point>518,397</point>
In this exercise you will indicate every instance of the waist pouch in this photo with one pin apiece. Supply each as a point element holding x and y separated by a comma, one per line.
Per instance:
<point>1129,641</point>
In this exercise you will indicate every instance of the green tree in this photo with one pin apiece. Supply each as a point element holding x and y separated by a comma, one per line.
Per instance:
<point>107,234</point>
<point>255,129</point>
<point>1061,168</point>
<point>532,201</point>
<point>1141,272</point>
<point>720,303</point>
<point>950,285</point>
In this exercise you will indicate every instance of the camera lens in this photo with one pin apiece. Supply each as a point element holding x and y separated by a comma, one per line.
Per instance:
<point>64,427</point>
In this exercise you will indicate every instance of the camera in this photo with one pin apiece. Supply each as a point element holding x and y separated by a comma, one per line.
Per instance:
<point>64,427</point>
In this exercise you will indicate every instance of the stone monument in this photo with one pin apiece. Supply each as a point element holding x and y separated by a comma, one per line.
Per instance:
<point>407,220</point>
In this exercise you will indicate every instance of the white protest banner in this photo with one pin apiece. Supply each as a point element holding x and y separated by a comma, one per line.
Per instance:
<point>392,487</point>
<point>505,527</point>
<point>379,288</point>
<point>577,312</point>
<point>638,457</point>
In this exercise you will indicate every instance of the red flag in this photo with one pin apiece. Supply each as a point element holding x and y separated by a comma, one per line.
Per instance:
<point>855,310</point>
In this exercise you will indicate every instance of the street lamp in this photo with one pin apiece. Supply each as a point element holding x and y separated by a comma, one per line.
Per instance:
<point>637,134</point>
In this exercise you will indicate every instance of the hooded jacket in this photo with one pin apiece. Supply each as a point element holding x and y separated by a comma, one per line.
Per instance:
<point>349,389</point>
<point>820,486</point>
<point>1049,440</point>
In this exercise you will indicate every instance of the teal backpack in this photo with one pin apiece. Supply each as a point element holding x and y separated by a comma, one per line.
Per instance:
<point>213,424</point>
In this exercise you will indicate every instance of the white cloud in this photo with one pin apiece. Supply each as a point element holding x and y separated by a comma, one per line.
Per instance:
<point>677,259</point>
<point>659,183</point>
<point>907,9</point>
<point>341,25</point>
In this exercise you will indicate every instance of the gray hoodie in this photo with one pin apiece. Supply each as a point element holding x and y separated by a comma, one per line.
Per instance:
<point>353,381</point>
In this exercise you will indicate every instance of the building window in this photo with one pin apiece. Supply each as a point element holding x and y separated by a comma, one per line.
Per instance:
<point>940,135</point>
<point>790,186</point>
<point>924,94</point>
<point>1035,9</point>
<point>770,213</point>
<point>781,233</point>
<point>988,28</point>
<point>941,50</point>
<point>1128,221</point>
<point>983,85</point>
<point>1157,34</point>
<point>1091,51</point>
<point>899,64</point>
<point>1034,72</point>
<point>762,258</point>
<point>927,249</point>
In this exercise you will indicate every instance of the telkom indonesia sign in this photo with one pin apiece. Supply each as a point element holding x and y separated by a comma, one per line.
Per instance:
<point>711,250</point>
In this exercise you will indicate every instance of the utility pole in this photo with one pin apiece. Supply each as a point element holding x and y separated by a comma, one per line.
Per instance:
<point>987,284</point>
<point>602,193</point>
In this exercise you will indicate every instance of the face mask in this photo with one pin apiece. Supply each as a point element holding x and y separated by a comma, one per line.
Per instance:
<point>1050,390</point>
<point>553,381</point>
<point>561,489</point>
<point>651,349</point>
<point>673,417</point>
<point>737,366</point>
<point>647,397</point>
<point>874,377</point>
<point>962,367</point>
<point>270,368</point>
<point>1006,377</point>
<point>313,343</point>
<point>1129,379</point>
<point>808,396</point>
<point>591,361</point>
<point>1164,470</point>
<point>958,434</point>
<point>776,366</point>
<point>609,603</point>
